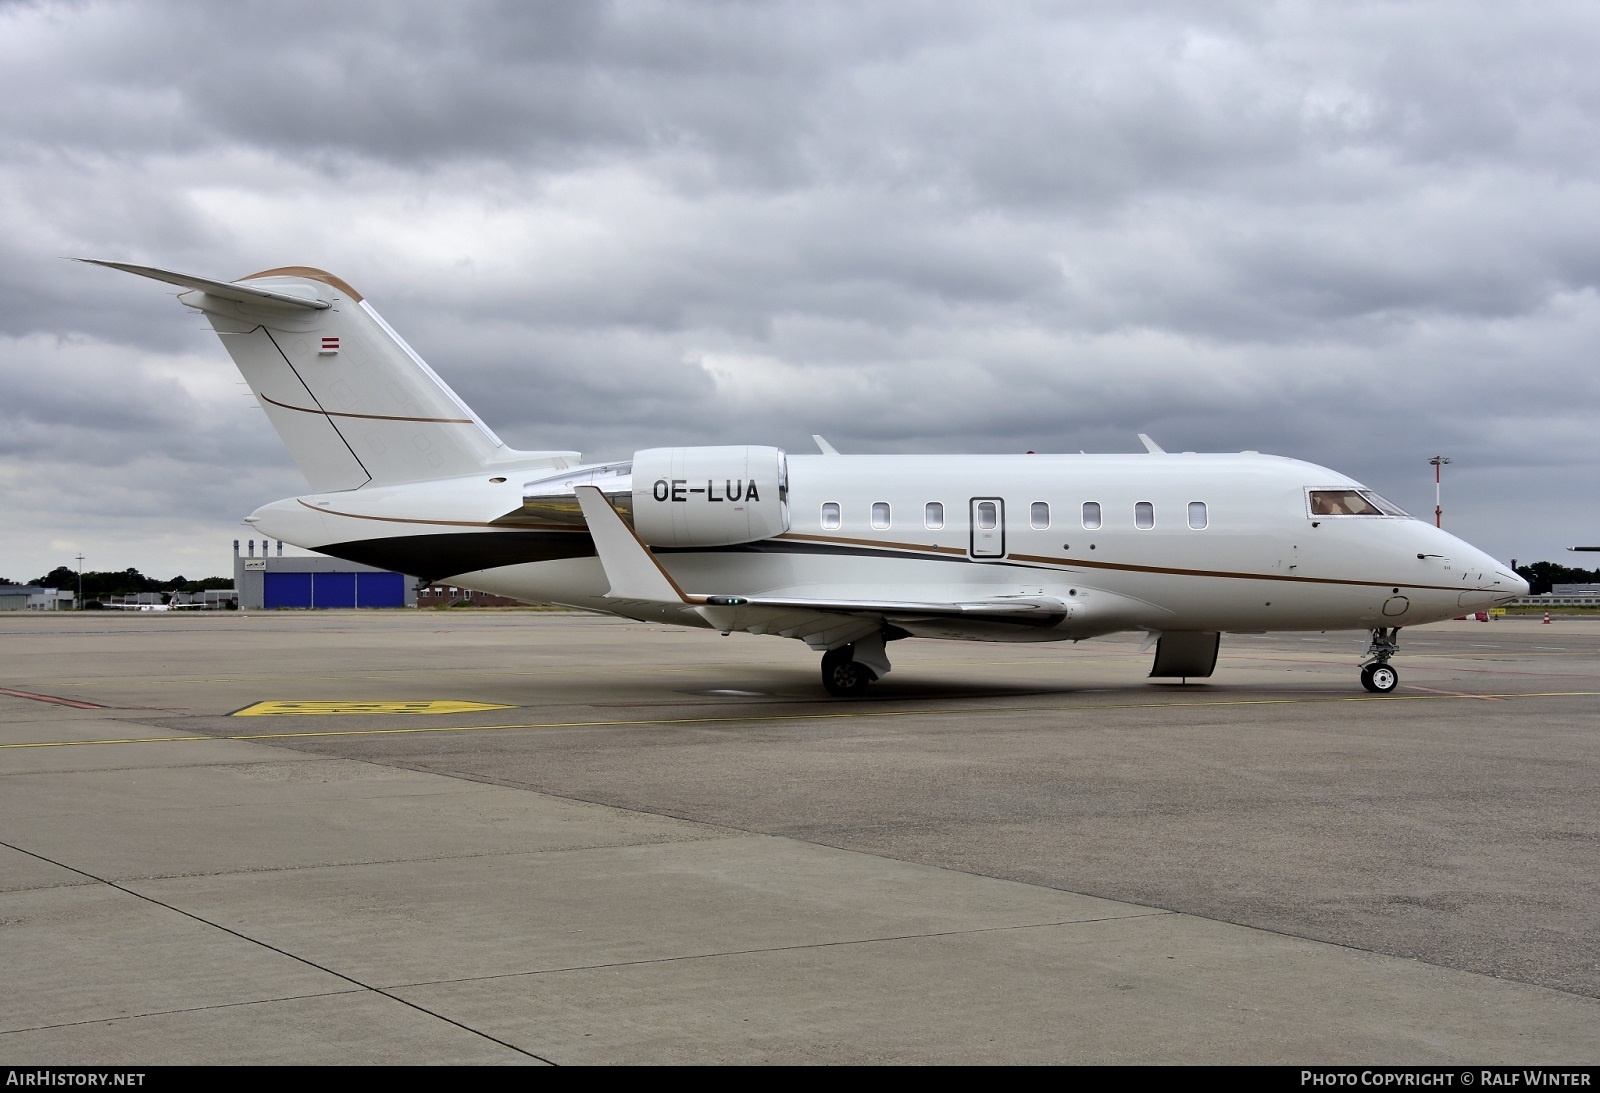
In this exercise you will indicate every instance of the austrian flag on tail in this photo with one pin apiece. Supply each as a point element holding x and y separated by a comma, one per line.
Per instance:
<point>330,344</point>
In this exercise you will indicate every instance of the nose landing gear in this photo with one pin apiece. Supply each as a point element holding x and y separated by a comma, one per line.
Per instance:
<point>1377,675</point>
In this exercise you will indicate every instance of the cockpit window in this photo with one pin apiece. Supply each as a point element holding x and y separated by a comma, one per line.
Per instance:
<point>1353,503</point>
<point>1342,503</point>
<point>1389,507</point>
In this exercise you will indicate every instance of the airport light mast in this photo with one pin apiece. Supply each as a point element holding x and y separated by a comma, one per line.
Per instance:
<point>77,604</point>
<point>1438,462</point>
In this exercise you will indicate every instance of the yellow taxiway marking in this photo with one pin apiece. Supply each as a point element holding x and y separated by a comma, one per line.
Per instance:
<point>301,709</point>
<point>962,711</point>
<point>129,740</point>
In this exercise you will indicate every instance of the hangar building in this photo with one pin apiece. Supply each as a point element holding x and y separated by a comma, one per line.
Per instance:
<point>268,583</point>
<point>27,597</point>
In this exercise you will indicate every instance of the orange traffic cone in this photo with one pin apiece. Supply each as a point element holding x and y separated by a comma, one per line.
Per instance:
<point>1547,618</point>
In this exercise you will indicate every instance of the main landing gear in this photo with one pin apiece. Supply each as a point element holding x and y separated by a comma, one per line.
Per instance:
<point>842,674</point>
<point>1377,675</point>
<point>851,669</point>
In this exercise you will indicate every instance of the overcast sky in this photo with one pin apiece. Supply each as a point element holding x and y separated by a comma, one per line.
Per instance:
<point>1355,233</point>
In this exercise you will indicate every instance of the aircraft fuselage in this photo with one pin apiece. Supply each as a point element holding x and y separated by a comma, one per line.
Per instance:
<point>1231,543</point>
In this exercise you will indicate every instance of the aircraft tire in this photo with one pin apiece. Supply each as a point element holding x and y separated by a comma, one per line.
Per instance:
<point>1379,678</point>
<point>842,676</point>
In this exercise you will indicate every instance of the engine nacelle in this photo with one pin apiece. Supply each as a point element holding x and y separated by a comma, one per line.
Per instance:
<point>693,497</point>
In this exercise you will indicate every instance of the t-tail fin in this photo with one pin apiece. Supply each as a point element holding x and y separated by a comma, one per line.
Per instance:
<point>352,401</point>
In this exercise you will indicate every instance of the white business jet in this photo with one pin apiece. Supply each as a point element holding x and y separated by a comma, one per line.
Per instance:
<point>846,553</point>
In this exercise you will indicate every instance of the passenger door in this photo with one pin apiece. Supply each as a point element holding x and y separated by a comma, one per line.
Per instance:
<point>988,523</point>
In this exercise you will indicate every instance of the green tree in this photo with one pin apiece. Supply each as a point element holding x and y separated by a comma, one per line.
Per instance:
<point>59,577</point>
<point>99,585</point>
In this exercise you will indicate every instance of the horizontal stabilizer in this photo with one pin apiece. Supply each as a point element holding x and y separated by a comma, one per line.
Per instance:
<point>223,289</point>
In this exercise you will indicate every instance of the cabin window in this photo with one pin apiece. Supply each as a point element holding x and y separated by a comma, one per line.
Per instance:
<point>830,515</point>
<point>1144,516</point>
<point>1039,516</point>
<point>1197,515</point>
<point>880,514</point>
<point>933,516</point>
<point>988,516</point>
<point>1091,515</point>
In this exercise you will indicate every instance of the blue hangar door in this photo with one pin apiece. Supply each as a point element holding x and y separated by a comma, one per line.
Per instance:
<point>380,589</point>
<point>286,590</point>
<point>327,590</point>
<point>333,590</point>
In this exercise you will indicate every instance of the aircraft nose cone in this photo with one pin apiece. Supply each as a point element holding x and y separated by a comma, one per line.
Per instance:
<point>1508,585</point>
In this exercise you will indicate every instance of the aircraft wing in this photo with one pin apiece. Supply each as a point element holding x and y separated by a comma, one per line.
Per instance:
<point>827,623</point>
<point>637,578</point>
<point>1000,605</point>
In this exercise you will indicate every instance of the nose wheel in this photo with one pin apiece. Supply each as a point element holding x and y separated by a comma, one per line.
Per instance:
<point>1377,675</point>
<point>1379,678</point>
<point>843,675</point>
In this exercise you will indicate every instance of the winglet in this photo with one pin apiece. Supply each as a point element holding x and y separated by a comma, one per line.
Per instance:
<point>632,570</point>
<point>226,290</point>
<point>1151,446</point>
<point>823,446</point>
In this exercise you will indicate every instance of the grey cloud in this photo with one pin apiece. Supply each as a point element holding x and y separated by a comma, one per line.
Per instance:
<point>1357,234</point>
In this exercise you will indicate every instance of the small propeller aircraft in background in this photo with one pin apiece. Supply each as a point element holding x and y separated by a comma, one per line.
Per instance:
<point>846,553</point>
